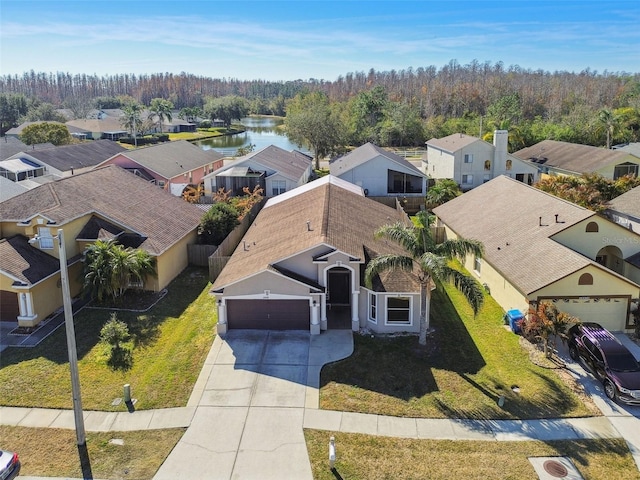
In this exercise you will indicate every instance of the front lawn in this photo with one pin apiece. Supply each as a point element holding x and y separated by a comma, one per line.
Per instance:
<point>371,457</point>
<point>468,365</point>
<point>171,342</point>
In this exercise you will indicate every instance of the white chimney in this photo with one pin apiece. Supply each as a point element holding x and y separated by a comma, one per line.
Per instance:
<point>500,142</point>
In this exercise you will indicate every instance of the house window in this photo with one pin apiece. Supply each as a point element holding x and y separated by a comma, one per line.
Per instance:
<point>373,308</point>
<point>468,158</point>
<point>467,179</point>
<point>45,238</point>
<point>477,265</point>
<point>278,187</point>
<point>585,279</point>
<point>487,164</point>
<point>486,177</point>
<point>398,182</point>
<point>509,164</point>
<point>623,169</point>
<point>399,310</point>
<point>592,227</point>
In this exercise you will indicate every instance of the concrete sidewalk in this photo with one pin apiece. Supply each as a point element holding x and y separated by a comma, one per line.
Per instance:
<point>257,392</point>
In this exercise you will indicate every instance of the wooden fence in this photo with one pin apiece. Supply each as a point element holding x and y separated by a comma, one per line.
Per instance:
<point>221,256</point>
<point>411,205</point>
<point>199,254</point>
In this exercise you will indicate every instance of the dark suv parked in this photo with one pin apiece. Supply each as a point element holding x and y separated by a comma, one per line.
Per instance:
<point>609,360</point>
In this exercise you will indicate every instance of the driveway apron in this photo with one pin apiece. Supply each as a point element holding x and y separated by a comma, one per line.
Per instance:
<point>249,417</point>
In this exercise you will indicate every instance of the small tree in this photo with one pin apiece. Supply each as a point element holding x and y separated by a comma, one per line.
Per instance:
<point>217,223</point>
<point>162,110</point>
<point>444,190</point>
<point>46,132</point>
<point>544,322</point>
<point>115,333</point>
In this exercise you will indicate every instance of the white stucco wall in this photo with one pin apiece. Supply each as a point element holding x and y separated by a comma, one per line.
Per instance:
<point>373,176</point>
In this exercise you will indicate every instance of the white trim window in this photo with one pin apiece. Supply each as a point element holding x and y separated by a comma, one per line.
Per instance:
<point>468,158</point>
<point>477,265</point>
<point>373,308</point>
<point>467,179</point>
<point>399,310</point>
<point>45,238</point>
<point>278,187</point>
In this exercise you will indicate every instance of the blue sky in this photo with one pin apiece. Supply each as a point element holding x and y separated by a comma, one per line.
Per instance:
<point>288,40</point>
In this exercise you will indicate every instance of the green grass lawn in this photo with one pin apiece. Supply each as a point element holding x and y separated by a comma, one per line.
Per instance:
<point>372,458</point>
<point>171,342</point>
<point>469,363</point>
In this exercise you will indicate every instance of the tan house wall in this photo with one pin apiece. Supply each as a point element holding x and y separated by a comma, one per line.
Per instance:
<point>608,171</point>
<point>171,263</point>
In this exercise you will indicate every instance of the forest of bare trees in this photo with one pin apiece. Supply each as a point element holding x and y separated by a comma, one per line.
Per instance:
<point>452,90</point>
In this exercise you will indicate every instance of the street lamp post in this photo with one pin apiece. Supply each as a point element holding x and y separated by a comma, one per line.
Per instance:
<point>71,340</point>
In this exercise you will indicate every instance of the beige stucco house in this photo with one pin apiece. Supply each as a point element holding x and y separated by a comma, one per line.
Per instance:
<point>106,203</point>
<point>470,161</point>
<point>552,157</point>
<point>300,266</point>
<point>539,247</point>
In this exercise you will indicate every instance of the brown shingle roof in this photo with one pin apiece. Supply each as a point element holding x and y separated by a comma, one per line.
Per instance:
<point>292,165</point>
<point>571,157</point>
<point>113,194</point>
<point>504,215</point>
<point>337,217</point>
<point>24,263</point>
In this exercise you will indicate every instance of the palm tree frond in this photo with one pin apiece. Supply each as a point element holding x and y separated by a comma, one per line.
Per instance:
<point>386,262</point>
<point>469,287</point>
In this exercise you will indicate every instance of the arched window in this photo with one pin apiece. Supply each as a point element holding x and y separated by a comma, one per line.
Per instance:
<point>592,227</point>
<point>508,165</point>
<point>585,279</point>
<point>487,164</point>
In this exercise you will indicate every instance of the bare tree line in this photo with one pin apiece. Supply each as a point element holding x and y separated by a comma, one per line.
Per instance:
<point>450,91</point>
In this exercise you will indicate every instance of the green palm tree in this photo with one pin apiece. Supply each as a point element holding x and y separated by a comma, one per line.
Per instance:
<point>445,189</point>
<point>610,123</point>
<point>161,108</point>
<point>131,119</point>
<point>110,268</point>
<point>429,261</point>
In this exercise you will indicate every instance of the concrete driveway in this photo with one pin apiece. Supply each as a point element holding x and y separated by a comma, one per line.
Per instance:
<point>250,406</point>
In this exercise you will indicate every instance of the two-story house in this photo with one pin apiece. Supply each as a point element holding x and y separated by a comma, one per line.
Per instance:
<point>470,161</point>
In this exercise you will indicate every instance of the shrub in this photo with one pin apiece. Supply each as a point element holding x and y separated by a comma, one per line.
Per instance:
<point>115,333</point>
<point>217,223</point>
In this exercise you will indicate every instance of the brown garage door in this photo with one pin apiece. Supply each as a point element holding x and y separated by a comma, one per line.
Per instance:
<point>268,314</point>
<point>9,308</point>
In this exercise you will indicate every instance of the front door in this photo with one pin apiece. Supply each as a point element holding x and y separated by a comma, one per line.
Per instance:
<point>339,287</point>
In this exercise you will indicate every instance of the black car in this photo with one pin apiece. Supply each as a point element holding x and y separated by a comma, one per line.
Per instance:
<point>608,359</point>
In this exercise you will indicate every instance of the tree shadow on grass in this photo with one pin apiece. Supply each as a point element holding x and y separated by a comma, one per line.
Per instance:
<point>399,367</point>
<point>144,328</point>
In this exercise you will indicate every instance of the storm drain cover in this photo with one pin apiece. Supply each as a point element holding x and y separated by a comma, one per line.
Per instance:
<point>555,469</point>
<point>552,468</point>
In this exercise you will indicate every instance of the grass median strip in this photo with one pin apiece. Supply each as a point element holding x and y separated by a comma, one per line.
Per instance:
<point>369,457</point>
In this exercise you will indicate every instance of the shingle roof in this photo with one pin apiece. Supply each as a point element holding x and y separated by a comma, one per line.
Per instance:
<point>363,154</point>
<point>172,159</point>
<point>25,263</point>
<point>10,189</point>
<point>113,194</point>
<point>452,143</point>
<point>107,124</point>
<point>292,165</point>
<point>504,215</point>
<point>628,203</point>
<point>9,146</point>
<point>337,217</point>
<point>78,155</point>
<point>571,157</point>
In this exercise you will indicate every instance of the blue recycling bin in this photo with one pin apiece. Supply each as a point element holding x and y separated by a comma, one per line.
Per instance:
<point>513,317</point>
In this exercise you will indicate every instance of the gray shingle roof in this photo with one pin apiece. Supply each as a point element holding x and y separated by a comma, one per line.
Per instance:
<point>452,143</point>
<point>571,157</point>
<point>25,263</point>
<point>628,203</point>
<point>115,195</point>
<point>172,159</point>
<point>504,215</point>
<point>79,155</point>
<point>292,165</point>
<point>363,154</point>
<point>9,146</point>
<point>337,216</point>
